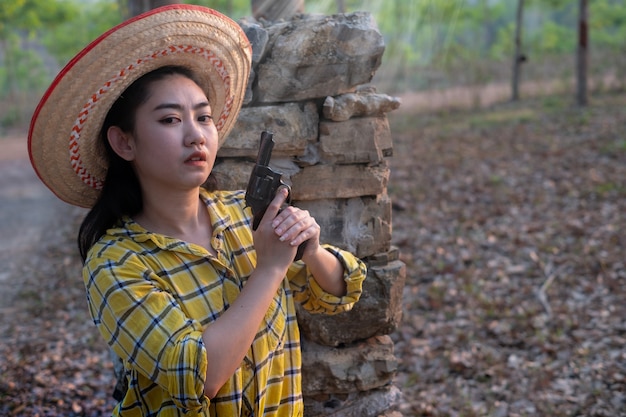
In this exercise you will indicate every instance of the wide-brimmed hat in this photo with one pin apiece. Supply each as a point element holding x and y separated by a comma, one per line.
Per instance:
<point>63,138</point>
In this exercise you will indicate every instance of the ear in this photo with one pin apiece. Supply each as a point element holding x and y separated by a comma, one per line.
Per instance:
<point>121,143</point>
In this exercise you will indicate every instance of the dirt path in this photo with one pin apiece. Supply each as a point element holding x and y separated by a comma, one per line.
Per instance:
<point>53,362</point>
<point>26,209</point>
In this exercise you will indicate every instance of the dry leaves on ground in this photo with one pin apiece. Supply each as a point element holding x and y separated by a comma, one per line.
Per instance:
<point>512,225</point>
<point>53,361</point>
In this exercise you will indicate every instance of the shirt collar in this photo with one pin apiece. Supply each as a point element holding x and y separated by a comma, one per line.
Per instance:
<point>218,213</point>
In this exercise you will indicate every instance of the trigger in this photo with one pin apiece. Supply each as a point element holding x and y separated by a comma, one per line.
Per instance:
<point>288,199</point>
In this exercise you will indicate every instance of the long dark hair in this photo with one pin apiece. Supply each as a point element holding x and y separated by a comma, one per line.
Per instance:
<point>121,193</point>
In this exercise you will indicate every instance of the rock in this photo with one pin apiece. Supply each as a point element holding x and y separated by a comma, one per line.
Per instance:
<point>346,106</point>
<point>294,125</point>
<point>365,140</point>
<point>375,403</point>
<point>339,181</point>
<point>361,225</point>
<point>378,312</point>
<point>319,56</point>
<point>362,366</point>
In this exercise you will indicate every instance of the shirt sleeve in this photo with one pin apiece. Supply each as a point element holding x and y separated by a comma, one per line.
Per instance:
<point>314,299</point>
<point>145,326</point>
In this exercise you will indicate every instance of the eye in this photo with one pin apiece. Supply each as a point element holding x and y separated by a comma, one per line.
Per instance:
<point>169,120</point>
<point>205,118</point>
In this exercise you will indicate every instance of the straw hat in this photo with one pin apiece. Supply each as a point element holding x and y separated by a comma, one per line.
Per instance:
<point>63,137</point>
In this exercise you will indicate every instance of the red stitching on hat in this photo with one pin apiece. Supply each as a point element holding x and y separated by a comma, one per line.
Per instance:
<point>74,140</point>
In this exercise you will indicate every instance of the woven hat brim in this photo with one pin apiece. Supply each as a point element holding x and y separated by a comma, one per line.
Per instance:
<point>63,139</point>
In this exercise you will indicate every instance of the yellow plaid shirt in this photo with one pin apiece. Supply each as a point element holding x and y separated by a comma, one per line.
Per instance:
<point>151,297</point>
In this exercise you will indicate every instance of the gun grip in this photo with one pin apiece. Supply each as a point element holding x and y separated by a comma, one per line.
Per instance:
<point>259,210</point>
<point>300,251</point>
<point>255,223</point>
<point>257,219</point>
<point>302,245</point>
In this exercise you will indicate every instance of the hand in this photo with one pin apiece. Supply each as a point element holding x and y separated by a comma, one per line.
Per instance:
<point>292,226</point>
<point>297,227</point>
<point>272,252</point>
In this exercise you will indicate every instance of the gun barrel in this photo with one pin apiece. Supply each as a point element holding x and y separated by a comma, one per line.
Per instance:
<point>265,148</point>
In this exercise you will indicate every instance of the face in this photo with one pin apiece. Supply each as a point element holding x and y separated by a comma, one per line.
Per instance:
<point>174,142</point>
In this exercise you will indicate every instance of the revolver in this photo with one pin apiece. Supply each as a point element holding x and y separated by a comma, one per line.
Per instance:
<point>263,184</point>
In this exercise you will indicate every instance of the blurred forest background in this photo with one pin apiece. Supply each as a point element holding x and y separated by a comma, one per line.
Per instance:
<point>431,44</point>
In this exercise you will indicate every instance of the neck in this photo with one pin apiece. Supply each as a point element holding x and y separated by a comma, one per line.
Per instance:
<point>174,216</point>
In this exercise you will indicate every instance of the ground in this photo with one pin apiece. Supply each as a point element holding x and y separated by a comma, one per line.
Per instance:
<point>510,221</point>
<point>53,363</point>
<point>512,224</point>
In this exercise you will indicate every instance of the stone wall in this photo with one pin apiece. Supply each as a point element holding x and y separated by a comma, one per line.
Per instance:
<point>309,86</point>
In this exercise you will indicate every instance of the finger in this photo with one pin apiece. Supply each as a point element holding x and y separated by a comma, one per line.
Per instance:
<point>303,236</point>
<point>274,207</point>
<point>310,233</point>
<point>287,216</point>
<point>288,219</point>
<point>301,231</point>
<point>290,229</point>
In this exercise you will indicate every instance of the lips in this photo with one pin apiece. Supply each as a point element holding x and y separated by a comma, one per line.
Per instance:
<point>196,157</point>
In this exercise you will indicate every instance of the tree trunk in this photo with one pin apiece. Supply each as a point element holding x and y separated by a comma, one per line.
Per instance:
<point>341,6</point>
<point>136,7</point>
<point>273,10</point>
<point>582,54</point>
<point>518,58</point>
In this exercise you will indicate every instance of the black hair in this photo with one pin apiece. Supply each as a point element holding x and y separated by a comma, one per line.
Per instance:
<point>121,193</point>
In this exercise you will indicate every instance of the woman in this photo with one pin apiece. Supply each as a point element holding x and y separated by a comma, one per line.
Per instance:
<point>199,307</point>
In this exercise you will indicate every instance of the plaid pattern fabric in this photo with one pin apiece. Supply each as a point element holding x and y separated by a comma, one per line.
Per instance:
<point>152,296</point>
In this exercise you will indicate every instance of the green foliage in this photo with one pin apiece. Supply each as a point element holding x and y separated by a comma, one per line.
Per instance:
<point>608,23</point>
<point>69,37</point>
<point>27,66</point>
<point>30,31</point>
<point>32,15</point>
<point>429,43</point>
<point>235,9</point>
<point>503,47</point>
<point>20,20</point>
<point>553,39</point>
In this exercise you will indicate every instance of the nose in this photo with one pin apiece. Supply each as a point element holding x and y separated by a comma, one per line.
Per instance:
<point>195,134</point>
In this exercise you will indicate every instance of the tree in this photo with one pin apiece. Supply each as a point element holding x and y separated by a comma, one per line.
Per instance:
<point>69,37</point>
<point>23,70</point>
<point>19,20</point>
<point>581,53</point>
<point>518,57</point>
<point>341,6</point>
<point>273,10</point>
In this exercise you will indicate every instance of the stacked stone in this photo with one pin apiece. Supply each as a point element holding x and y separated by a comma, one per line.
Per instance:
<point>309,87</point>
